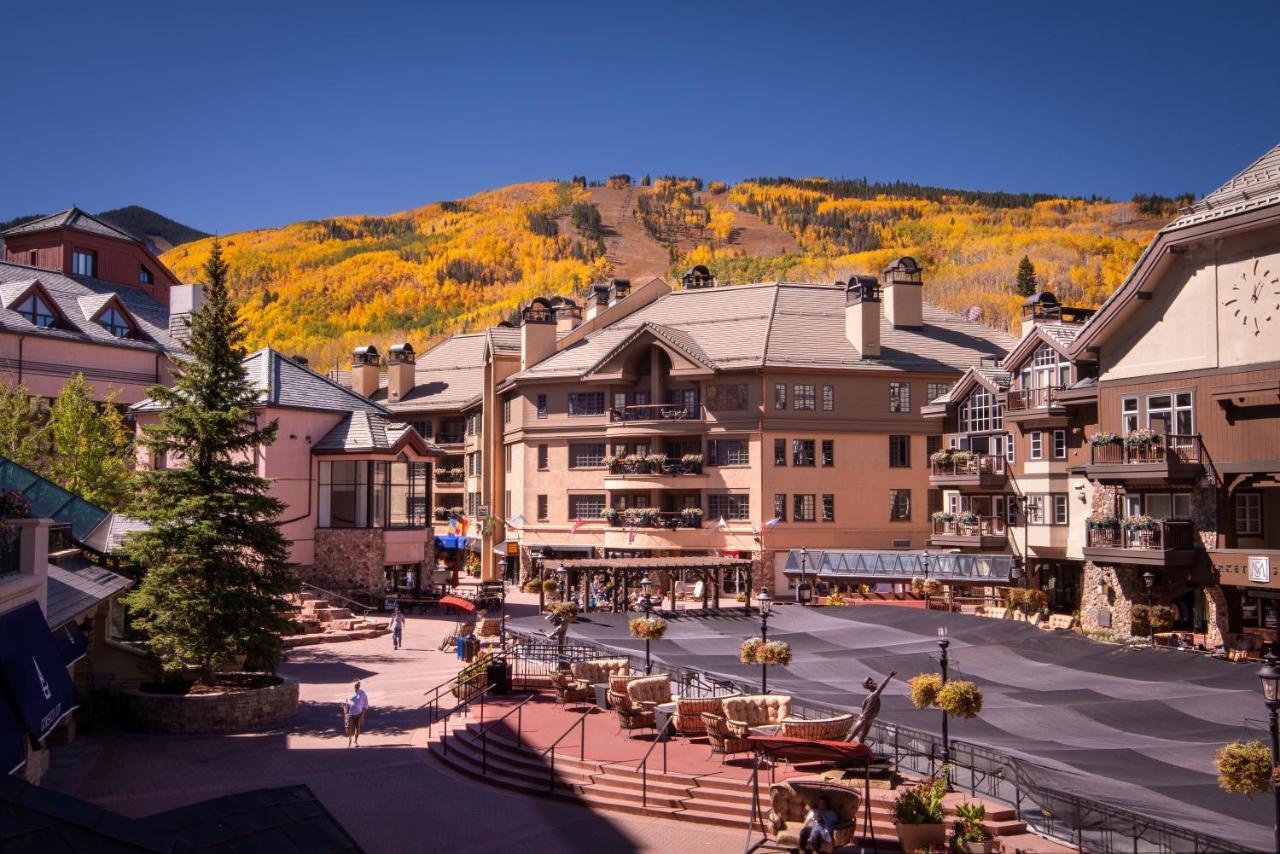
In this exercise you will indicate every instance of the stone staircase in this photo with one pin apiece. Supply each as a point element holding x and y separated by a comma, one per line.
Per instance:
<point>715,800</point>
<point>319,620</point>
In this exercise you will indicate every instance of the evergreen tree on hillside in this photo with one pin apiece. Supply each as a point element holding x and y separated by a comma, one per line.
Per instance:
<point>1027,283</point>
<point>92,449</point>
<point>215,560</point>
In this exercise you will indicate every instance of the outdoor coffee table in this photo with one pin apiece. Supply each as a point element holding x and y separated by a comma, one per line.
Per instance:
<point>662,715</point>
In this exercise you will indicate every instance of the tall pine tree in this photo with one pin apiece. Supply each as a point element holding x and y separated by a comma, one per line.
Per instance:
<point>216,565</point>
<point>1027,283</point>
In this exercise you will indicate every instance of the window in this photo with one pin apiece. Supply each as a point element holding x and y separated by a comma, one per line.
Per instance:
<point>1059,509</point>
<point>542,406</point>
<point>144,275</point>
<point>779,395</point>
<point>84,263</point>
<point>1037,445</point>
<point>899,452</point>
<point>731,396</point>
<point>780,507</point>
<point>899,397</point>
<point>1163,505</point>
<point>828,398</point>
<point>828,508</point>
<point>728,452</point>
<point>1046,369</point>
<point>1012,503</point>
<point>802,452</point>
<point>37,312</point>
<point>1059,444</point>
<point>506,411</point>
<point>937,390</point>
<point>543,512</point>
<point>114,322</point>
<point>1129,414</point>
<point>728,507</point>
<point>586,403</point>
<point>899,505</point>
<point>586,456</point>
<point>932,444</point>
<point>451,432</point>
<point>804,396</point>
<point>1008,448</point>
<point>828,452</point>
<point>586,506</point>
<point>507,499</point>
<point>802,508</point>
<point>981,412</point>
<point>1035,509</point>
<point>779,452</point>
<point>1170,414</point>
<point>506,462</point>
<point>542,458</point>
<point>1249,514</point>
<point>372,494</point>
<point>424,427</point>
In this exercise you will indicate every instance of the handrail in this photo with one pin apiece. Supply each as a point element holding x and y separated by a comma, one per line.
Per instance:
<point>484,732</point>
<point>582,746</point>
<point>581,718</point>
<point>367,608</point>
<point>643,767</point>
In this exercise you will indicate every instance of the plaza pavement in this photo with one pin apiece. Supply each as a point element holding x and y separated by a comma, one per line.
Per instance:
<point>389,795</point>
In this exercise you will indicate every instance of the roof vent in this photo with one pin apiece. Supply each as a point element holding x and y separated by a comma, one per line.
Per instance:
<point>697,277</point>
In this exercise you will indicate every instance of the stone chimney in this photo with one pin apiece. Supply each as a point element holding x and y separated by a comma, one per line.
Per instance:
<point>364,370</point>
<point>183,300</point>
<point>618,289</point>
<point>537,332</point>
<point>597,299</point>
<point>568,314</point>
<point>862,315</point>
<point>400,368</point>
<point>903,293</point>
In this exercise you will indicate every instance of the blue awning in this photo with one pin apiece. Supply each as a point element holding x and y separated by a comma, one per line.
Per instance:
<point>13,748</point>
<point>71,643</point>
<point>451,541</point>
<point>38,680</point>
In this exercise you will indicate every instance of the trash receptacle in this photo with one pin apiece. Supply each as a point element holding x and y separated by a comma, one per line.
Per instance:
<point>498,675</point>
<point>472,648</point>
<point>462,649</point>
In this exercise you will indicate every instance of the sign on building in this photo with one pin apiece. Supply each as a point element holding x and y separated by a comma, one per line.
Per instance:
<point>1259,569</point>
<point>482,512</point>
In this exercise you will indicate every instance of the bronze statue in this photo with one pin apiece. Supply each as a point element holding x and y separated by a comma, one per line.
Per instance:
<point>870,709</point>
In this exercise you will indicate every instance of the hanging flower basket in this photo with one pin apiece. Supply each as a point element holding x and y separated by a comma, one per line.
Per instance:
<point>960,698</point>
<point>1244,768</point>
<point>566,611</point>
<point>756,651</point>
<point>924,689</point>
<point>750,652</point>
<point>533,585</point>
<point>931,587</point>
<point>550,586</point>
<point>650,629</point>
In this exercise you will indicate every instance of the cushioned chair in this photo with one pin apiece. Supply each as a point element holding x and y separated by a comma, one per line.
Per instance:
<point>489,627</point>
<point>599,670</point>
<point>689,711</point>
<point>570,690</point>
<point>821,729</point>
<point>721,739</point>
<point>790,801</point>
<point>743,713</point>
<point>617,693</point>
<point>641,696</point>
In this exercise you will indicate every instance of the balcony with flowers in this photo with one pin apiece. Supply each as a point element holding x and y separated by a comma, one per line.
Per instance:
<point>967,530</point>
<point>958,469</point>
<point>1140,540</point>
<point>635,471</point>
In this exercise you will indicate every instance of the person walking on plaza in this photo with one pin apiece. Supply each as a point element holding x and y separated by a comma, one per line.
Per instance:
<point>355,709</point>
<point>397,627</point>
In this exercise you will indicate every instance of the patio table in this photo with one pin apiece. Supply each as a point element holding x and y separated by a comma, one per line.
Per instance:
<point>602,694</point>
<point>662,714</point>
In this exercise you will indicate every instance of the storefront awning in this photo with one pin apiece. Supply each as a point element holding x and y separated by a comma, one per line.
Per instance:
<point>13,750</point>
<point>466,606</point>
<point>71,643</point>
<point>451,541</point>
<point>37,677</point>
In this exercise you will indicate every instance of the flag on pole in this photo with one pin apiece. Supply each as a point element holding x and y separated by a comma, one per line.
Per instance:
<point>769,526</point>
<point>722,524</point>
<point>577,523</point>
<point>458,525</point>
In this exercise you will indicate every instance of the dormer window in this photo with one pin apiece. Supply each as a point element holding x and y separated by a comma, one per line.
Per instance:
<point>37,312</point>
<point>84,263</point>
<point>144,275</point>
<point>115,322</point>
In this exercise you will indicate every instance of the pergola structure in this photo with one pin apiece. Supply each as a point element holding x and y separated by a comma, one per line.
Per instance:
<point>629,571</point>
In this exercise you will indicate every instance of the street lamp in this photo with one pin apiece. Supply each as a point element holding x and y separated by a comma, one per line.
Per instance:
<point>764,600</point>
<point>944,643</point>
<point>804,593</point>
<point>1149,578</point>
<point>1270,676</point>
<point>646,588</point>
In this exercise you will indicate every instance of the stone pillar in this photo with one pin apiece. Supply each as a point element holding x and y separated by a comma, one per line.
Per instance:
<point>1216,615</point>
<point>1109,606</point>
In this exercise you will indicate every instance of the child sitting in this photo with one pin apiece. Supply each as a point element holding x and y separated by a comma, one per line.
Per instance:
<point>819,822</point>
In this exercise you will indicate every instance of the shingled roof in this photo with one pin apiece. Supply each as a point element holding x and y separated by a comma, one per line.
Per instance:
<point>73,218</point>
<point>366,432</point>
<point>1255,186</point>
<point>451,374</point>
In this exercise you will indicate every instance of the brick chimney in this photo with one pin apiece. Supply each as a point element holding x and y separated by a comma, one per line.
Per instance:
<point>537,332</point>
<point>862,315</point>
<point>400,368</point>
<point>903,293</point>
<point>364,370</point>
<point>183,300</point>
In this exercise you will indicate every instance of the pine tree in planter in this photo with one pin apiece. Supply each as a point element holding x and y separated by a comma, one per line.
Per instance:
<point>216,563</point>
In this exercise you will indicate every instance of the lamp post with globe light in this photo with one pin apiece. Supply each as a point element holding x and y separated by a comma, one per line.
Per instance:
<point>764,600</point>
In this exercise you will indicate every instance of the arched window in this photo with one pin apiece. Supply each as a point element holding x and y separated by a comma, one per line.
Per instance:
<point>37,311</point>
<point>1046,369</point>
<point>114,322</point>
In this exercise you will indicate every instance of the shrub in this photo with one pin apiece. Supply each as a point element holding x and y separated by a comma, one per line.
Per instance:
<point>968,825</point>
<point>550,586</point>
<point>864,589</point>
<point>1244,768</point>
<point>566,611</point>
<point>647,629</point>
<point>836,598</point>
<point>924,689</point>
<point>931,587</point>
<point>1036,600</point>
<point>921,804</point>
<point>960,698</point>
<point>533,585</point>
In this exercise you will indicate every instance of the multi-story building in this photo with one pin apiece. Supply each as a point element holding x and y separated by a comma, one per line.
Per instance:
<point>78,295</point>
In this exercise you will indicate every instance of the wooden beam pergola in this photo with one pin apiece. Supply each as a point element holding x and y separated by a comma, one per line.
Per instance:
<point>710,568</point>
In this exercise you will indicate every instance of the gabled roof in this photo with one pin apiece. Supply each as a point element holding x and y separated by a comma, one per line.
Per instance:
<point>1255,186</point>
<point>73,218</point>
<point>994,380</point>
<point>1059,336</point>
<point>678,339</point>
<point>76,585</point>
<point>283,382</point>
<point>450,375</point>
<point>366,432</point>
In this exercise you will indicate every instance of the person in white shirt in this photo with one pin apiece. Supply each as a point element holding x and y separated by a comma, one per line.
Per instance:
<point>356,708</point>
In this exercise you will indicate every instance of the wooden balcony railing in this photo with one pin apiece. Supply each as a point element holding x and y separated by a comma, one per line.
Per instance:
<point>976,464</point>
<point>1029,399</point>
<point>450,476</point>
<point>657,412</point>
<point>1160,448</point>
<point>649,518</point>
<point>981,526</point>
<point>1143,534</point>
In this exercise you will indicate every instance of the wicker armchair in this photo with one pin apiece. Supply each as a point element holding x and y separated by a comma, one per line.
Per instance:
<point>743,713</point>
<point>617,693</point>
<point>790,801</point>
<point>570,690</point>
<point>636,712</point>
<point>689,711</point>
<point>820,729</point>
<point>722,740</point>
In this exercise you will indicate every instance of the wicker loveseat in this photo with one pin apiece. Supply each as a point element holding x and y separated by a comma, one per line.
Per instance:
<point>642,694</point>
<point>689,711</point>
<point>790,801</point>
<point>721,739</point>
<point>617,693</point>
<point>597,670</point>
<point>743,713</point>
<point>822,729</point>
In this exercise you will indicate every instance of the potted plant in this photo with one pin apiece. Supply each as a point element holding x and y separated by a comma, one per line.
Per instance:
<point>1139,523</point>
<point>919,816</point>
<point>649,517</point>
<point>550,586</point>
<point>940,458</point>
<point>656,463</point>
<point>1104,437</point>
<point>692,517</point>
<point>611,463</point>
<point>942,517</point>
<point>634,464</point>
<point>1244,768</point>
<point>959,698</point>
<point>1140,438</point>
<point>970,836</point>
<point>692,463</point>
<point>650,629</point>
<point>836,598</point>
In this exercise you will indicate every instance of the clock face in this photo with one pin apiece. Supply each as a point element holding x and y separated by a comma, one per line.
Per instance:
<point>1254,297</point>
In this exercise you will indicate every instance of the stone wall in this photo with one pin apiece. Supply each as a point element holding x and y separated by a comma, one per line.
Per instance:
<point>348,560</point>
<point>197,714</point>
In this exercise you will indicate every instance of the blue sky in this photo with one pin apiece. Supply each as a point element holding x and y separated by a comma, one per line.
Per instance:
<point>235,115</point>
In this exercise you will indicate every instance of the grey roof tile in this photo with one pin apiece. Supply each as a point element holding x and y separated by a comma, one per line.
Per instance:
<point>73,218</point>
<point>365,431</point>
<point>75,586</point>
<point>1255,186</point>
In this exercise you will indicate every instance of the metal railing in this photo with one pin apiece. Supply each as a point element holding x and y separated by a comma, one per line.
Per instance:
<point>974,465</point>
<point>667,520</point>
<point>984,526</point>
<point>665,467</point>
<point>518,711</point>
<point>1025,399</point>
<point>1161,448</point>
<point>643,767</point>
<point>1146,535</point>
<point>657,412</point>
<point>581,725</point>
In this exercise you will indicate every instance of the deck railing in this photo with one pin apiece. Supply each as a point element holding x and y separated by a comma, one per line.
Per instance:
<point>665,520</point>
<point>1160,448</point>
<point>984,526</point>
<point>975,464</point>
<point>1145,534</point>
<point>657,412</point>
<point>1026,399</point>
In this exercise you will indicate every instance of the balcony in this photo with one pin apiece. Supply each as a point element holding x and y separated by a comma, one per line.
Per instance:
<point>655,471</point>
<point>966,530</point>
<point>449,439</point>
<point>450,478</point>
<point>1144,457</point>
<point>648,517</point>
<point>648,419</point>
<point>960,469</point>
<point>1142,541</point>
<point>1034,404</point>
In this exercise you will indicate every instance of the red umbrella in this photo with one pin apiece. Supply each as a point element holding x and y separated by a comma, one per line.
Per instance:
<point>464,605</point>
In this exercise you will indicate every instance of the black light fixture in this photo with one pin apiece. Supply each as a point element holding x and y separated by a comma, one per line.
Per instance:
<point>764,601</point>
<point>804,591</point>
<point>646,589</point>
<point>1270,676</point>
<point>944,643</point>
<point>1149,578</point>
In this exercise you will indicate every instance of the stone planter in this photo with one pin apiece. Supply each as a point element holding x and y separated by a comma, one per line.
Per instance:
<point>200,714</point>
<point>914,837</point>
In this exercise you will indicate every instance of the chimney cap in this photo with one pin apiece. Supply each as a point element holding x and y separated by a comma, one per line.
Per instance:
<point>906,264</point>
<point>299,359</point>
<point>698,276</point>
<point>539,310</point>
<point>401,353</point>
<point>1044,298</point>
<point>862,289</point>
<point>365,355</point>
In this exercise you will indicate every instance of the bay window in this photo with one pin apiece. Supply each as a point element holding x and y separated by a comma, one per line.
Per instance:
<point>373,494</point>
